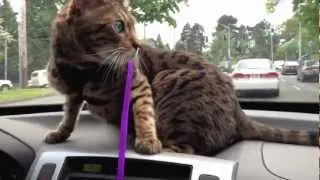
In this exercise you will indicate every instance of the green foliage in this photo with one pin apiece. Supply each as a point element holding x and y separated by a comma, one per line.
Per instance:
<point>39,17</point>
<point>307,13</point>
<point>24,94</point>
<point>271,5</point>
<point>226,20</point>
<point>10,26</point>
<point>246,42</point>
<point>154,10</point>
<point>41,13</point>
<point>148,11</point>
<point>192,39</point>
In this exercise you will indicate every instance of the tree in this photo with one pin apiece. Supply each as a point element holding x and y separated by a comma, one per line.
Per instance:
<point>4,34</point>
<point>219,46</point>
<point>198,39</point>
<point>186,32</point>
<point>192,39</point>
<point>9,25</point>
<point>148,11</point>
<point>181,46</point>
<point>154,10</point>
<point>159,42</point>
<point>226,20</point>
<point>289,36</point>
<point>41,13</point>
<point>307,13</point>
<point>39,17</point>
<point>246,42</point>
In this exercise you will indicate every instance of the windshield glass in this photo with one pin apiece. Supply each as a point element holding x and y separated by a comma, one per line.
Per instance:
<point>254,64</point>
<point>224,32</point>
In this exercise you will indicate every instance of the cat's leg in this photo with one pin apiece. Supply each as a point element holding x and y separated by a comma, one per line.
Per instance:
<point>186,149</point>
<point>72,108</point>
<point>146,141</point>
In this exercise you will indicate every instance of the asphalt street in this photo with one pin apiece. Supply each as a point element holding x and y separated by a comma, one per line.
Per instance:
<point>291,90</point>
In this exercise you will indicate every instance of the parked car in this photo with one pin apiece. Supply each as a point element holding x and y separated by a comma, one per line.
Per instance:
<point>252,76</point>
<point>290,67</point>
<point>5,85</point>
<point>309,71</point>
<point>39,79</point>
<point>278,65</point>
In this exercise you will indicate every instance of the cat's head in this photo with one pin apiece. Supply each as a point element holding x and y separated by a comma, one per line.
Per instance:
<point>102,29</point>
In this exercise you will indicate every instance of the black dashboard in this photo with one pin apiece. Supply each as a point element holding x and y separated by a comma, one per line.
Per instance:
<point>91,153</point>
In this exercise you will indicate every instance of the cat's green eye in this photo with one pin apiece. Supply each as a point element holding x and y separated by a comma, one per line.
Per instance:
<point>119,26</point>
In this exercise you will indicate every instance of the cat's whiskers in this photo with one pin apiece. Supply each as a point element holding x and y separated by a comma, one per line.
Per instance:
<point>115,71</point>
<point>122,62</point>
<point>106,51</point>
<point>142,65</point>
<point>111,65</point>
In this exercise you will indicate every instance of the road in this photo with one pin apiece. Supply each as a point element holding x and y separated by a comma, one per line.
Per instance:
<point>290,91</point>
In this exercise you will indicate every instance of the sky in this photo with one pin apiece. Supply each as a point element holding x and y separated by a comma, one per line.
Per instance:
<point>207,12</point>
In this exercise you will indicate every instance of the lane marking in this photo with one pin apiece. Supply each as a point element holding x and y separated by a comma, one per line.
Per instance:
<point>296,87</point>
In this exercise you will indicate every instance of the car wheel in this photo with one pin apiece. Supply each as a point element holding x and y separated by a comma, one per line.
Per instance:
<point>275,93</point>
<point>4,88</point>
<point>303,79</point>
<point>315,79</point>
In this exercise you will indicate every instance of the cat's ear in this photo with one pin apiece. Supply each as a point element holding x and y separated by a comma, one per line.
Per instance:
<point>125,3</point>
<point>79,6</point>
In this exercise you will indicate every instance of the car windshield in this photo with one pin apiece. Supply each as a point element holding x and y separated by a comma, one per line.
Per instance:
<point>254,64</point>
<point>231,34</point>
<point>35,74</point>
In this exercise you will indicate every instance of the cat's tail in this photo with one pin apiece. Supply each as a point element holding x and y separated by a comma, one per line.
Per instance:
<point>250,129</point>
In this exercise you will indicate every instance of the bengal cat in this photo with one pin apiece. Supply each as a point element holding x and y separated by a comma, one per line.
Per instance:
<point>180,102</point>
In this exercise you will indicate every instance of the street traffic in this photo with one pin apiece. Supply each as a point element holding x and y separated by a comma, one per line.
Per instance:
<point>291,90</point>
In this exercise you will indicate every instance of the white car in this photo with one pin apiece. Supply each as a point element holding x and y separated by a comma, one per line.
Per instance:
<point>251,76</point>
<point>5,85</point>
<point>278,65</point>
<point>38,79</point>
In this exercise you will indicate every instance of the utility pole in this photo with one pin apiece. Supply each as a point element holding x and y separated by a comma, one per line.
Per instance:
<point>23,56</point>
<point>300,42</point>
<point>271,46</point>
<point>229,49</point>
<point>300,34</point>
<point>6,59</point>
<point>229,46</point>
<point>144,30</point>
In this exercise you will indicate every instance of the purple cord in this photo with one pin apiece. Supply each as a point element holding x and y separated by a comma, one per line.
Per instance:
<point>124,122</point>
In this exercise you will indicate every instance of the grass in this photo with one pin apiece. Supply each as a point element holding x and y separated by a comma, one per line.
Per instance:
<point>24,94</point>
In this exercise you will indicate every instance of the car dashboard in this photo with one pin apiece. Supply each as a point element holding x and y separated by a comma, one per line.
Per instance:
<point>91,153</point>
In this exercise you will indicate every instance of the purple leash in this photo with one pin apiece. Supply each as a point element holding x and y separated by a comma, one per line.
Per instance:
<point>124,122</point>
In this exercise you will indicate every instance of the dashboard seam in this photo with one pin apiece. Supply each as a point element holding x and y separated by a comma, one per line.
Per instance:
<point>265,165</point>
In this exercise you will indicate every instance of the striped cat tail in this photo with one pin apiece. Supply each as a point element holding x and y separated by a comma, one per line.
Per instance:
<point>258,131</point>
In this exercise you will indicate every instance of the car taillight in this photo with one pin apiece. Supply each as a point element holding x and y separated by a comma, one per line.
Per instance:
<point>239,76</point>
<point>271,75</point>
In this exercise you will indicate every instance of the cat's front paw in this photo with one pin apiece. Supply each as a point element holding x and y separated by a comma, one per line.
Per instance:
<point>53,137</point>
<point>148,146</point>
